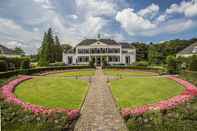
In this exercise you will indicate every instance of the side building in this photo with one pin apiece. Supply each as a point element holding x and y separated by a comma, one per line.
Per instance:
<point>100,51</point>
<point>188,51</point>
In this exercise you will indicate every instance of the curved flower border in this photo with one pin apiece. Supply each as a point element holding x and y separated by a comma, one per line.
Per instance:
<point>189,92</point>
<point>8,94</point>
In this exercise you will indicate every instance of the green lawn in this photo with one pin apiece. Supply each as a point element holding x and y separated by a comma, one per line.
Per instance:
<point>53,92</point>
<point>133,92</point>
<point>126,73</point>
<point>75,73</point>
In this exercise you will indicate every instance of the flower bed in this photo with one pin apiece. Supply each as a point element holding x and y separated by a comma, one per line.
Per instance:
<point>186,95</point>
<point>8,89</point>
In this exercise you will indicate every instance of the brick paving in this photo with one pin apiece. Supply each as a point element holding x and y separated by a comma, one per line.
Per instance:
<point>99,111</point>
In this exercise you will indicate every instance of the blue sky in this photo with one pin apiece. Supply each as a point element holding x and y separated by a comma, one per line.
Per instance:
<point>22,23</point>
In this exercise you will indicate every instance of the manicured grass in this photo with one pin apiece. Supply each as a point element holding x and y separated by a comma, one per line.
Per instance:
<point>75,73</point>
<point>133,92</point>
<point>125,73</point>
<point>53,92</point>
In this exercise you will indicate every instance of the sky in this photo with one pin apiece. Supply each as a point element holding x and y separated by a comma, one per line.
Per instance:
<point>23,22</point>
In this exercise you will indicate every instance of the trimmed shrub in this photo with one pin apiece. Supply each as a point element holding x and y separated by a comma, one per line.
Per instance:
<point>57,64</point>
<point>38,70</point>
<point>193,63</point>
<point>142,63</point>
<point>157,70</point>
<point>3,65</point>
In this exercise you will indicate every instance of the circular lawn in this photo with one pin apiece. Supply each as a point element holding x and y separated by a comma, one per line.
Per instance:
<point>53,92</point>
<point>134,92</point>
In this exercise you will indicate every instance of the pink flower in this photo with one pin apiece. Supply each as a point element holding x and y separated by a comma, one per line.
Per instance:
<point>8,89</point>
<point>190,91</point>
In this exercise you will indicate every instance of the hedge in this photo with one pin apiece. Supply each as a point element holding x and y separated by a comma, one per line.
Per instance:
<point>38,70</point>
<point>158,70</point>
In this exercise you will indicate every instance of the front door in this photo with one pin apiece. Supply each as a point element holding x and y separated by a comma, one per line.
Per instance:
<point>98,61</point>
<point>127,60</point>
<point>70,60</point>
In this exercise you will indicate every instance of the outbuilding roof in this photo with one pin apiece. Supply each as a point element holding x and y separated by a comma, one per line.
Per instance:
<point>192,49</point>
<point>5,50</point>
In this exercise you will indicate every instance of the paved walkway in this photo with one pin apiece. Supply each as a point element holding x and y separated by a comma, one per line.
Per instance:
<point>99,112</point>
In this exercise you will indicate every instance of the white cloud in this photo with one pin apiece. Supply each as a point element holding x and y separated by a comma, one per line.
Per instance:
<point>149,12</point>
<point>188,8</point>
<point>12,35</point>
<point>97,7</point>
<point>132,22</point>
<point>171,27</point>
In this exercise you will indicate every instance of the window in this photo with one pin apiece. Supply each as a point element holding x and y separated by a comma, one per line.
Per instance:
<point>114,58</point>
<point>83,59</point>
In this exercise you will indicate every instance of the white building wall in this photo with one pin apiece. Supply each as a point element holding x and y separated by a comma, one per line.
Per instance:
<point>131,53</point>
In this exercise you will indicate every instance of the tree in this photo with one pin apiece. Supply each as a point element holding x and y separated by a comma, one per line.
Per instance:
<point>25,64</point>
<point>44,52</point>
<point>153,55</point>
<point>66,47</point>
<point>19,51</point>
<point>193,63</point>
<point>173,65</point>
<point>51,46</point>
<point>58,50</point>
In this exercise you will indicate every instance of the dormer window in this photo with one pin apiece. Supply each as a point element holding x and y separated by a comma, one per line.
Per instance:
<point>194,50</point>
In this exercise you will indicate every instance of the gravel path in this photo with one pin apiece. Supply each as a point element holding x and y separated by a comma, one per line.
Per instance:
<point>99,111</point>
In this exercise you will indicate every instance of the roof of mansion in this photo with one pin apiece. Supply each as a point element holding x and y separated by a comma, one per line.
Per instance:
<point>88,42</point>
<point>91,41</point>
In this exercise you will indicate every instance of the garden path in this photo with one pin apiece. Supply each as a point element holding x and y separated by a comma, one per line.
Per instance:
<point>99,111</point>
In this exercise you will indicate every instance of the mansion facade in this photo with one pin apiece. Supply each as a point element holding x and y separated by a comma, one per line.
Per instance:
<point>100,51</point>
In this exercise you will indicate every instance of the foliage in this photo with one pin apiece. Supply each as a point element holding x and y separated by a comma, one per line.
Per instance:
<point>160,50</point>
<point>193,63</point>
<point>3,65</point>
<point>25,64</point>
<point>142,63</point>
<point>66,47</point>
<point>13,62</point>
<point>181,118</point>
<point>189,76</point>
<point>153,55</point>
<point>141,51</point>
<point>19,51</point>
<point>14,118</point>
<point>39,70</point>
<point>57,64</point>
<point>51,50</point>
<point>157,70</point>
<point>173,65</point>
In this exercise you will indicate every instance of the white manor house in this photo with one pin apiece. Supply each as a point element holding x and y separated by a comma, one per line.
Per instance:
<point>100,51</point>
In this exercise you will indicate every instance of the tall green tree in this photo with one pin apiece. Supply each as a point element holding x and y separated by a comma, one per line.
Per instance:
<point>44,52</point>
<point>153,54</point>
<point>58,50</point>
<point>51,46</point>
